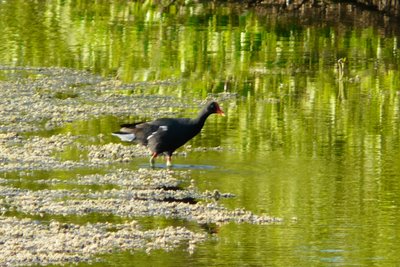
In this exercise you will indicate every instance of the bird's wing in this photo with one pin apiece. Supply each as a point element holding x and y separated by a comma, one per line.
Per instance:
<point>161,130</point>
<point>130,127</point>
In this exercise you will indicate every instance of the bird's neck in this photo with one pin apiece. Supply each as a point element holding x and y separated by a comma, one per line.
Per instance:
<point>201,118</point>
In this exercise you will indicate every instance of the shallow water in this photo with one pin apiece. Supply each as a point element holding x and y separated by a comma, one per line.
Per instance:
<point>302,140</point>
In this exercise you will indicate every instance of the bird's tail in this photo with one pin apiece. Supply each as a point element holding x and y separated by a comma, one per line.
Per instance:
<point>128,137</point>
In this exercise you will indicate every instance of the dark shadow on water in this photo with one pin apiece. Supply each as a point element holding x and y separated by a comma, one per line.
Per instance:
<point>178,166</point>
<point>187,200</point>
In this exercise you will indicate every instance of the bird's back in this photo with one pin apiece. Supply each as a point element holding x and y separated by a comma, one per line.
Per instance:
<point>171,134</point>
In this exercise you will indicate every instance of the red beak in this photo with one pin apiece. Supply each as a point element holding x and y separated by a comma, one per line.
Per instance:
<point>220,111</point>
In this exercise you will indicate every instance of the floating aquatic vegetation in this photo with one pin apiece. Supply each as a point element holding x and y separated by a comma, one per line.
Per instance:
<point>55,96</point>
<point>111,153</point>
<point>31,242</point>
<point>35,153</point>
<point>141,193</point>
<point>131,200</point>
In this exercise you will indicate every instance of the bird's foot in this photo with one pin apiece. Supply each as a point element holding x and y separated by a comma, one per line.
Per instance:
<point>169,162</point>
<point>152,160</point>
<point>152,163</point>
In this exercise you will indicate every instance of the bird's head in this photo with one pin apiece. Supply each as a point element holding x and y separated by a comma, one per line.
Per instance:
<point>213,107</point>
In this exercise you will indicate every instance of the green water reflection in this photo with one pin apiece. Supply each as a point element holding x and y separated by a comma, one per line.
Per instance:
<point>301,139</point>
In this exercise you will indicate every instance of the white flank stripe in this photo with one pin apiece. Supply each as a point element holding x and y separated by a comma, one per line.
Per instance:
<point>128,137</point>
<point>163,128</point>
<point>150,136</point>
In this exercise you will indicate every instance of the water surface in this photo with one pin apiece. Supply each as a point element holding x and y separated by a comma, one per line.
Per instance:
<point>302,140</point>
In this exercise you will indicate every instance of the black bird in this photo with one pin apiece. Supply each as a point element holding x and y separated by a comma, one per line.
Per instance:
<point>165,135</point>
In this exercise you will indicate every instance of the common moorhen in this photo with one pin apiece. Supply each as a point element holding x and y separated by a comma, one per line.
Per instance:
<point>165,135</point>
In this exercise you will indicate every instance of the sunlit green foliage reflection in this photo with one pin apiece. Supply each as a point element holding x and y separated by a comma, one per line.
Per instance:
<point>321,139</point>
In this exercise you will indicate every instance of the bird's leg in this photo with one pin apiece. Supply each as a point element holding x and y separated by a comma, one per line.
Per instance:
<point>152,159</point>
<point>169,160</point>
